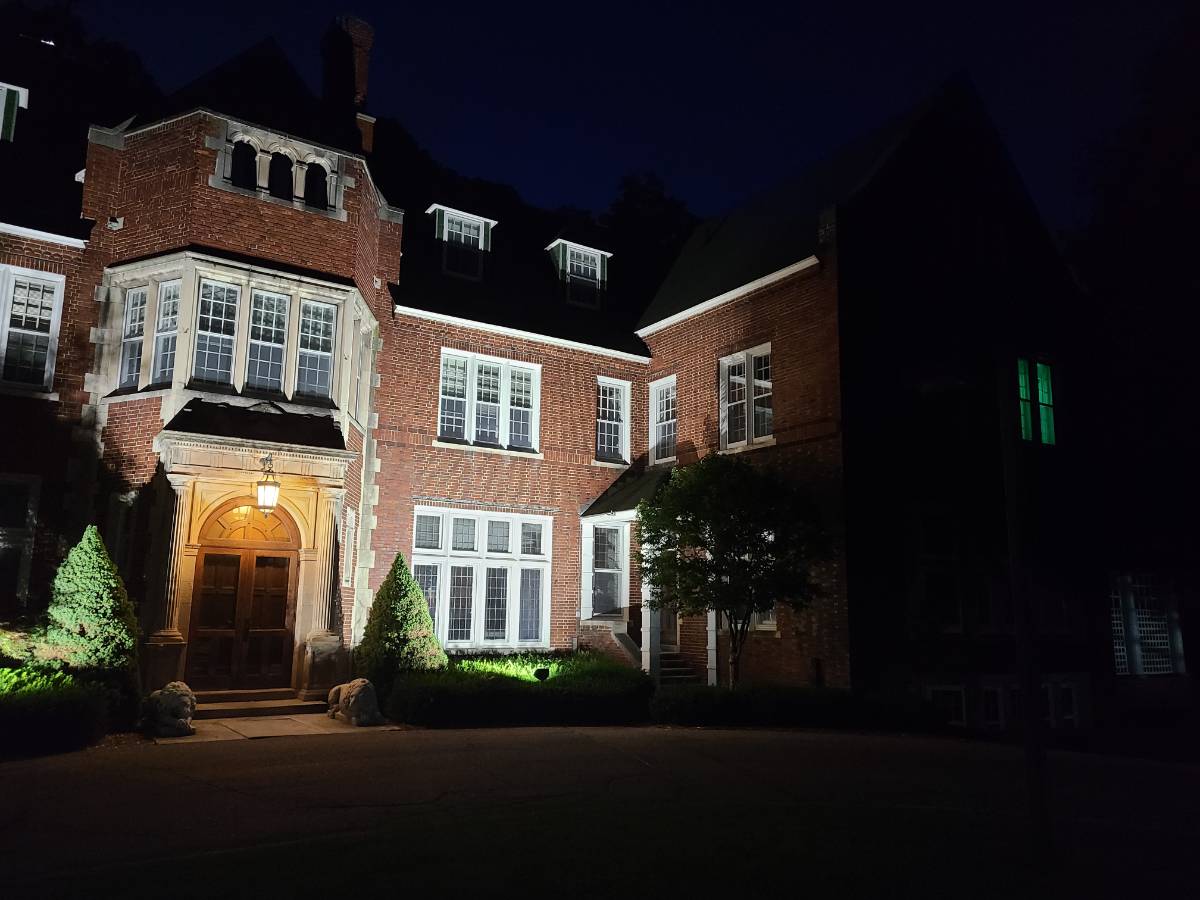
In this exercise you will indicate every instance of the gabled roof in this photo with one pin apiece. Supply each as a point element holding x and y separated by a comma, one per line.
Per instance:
<point>629,490</point>
<point>781,226</point>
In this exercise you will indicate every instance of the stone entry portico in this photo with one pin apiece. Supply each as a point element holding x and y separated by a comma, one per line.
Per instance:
<point>206,475</point>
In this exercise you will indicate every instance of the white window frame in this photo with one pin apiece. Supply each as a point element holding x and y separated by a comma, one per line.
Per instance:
<point>287,322</point>
<point>626,389</point>
<point>236,336</point>
<point>746,357</point>
<point>162,334</point>
<point>506,366</point>
<point>332,353</point>
<point>479,561</point>
<point>133,341</point>
<point>8,279</point>
<point>622,521</point>
<point>22,538</point>
<point>586,259</point>
<point>655,387</point>
<point>463,220</point>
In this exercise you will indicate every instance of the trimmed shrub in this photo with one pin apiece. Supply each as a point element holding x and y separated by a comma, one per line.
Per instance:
<point>584,690</point>
<point>399,633</point>
<point>774,705</point>
<point>47,712</point>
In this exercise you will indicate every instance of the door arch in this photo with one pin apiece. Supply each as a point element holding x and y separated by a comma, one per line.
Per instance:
<point>242,632</point>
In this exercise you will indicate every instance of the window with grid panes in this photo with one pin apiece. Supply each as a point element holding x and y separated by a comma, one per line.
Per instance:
<point>460,231</point>
<point>314,370</point>
<point>216,328</point>
<point>606,570</point>
<point>462,589</point>
<point>427,579</point>
<point>1144,632</point>
<point>132,332</point>
<point>463,250</point>
<point>531,539</point>
<point>428,533</point>
<point>18,515</point>
<point>268,332</point>
<point>746,397</point>
<point>31,322</point>
<point>497,397</point>
<point>662,420</point>
<point>498,537</point>
<point>166,332</point>
<point>495,605</point>
<point>1035,401</point>
<point>610,422</point>
<point>531,605</point>
<point>463,534</point>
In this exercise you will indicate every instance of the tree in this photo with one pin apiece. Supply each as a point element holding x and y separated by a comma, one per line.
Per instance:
<point>727,536</point>
<point>91,620</point>
<point>399,634</point>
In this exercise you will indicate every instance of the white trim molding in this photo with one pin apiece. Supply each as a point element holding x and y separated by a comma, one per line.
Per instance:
<point>667,381</point>
<point>727,297</point>
<point>474,217</point>
<point>620,522</point>
<point>19,231</point>
<point>570,244</point>
<point>518,333</point>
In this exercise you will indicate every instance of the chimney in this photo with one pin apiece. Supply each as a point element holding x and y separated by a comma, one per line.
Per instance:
<point>346,50</point>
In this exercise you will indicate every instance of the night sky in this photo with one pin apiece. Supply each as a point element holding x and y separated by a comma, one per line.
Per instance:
<point>720,99</point>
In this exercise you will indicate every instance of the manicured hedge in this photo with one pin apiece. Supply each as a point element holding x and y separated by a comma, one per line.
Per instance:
<point>47,712</point>
<point>584,691</point>
<point>785,706</point>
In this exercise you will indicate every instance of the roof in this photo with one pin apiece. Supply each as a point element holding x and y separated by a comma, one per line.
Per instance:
<point>634,486</point>
<point>263,421</point>
<point>244,259</point>
<point>779,226</point>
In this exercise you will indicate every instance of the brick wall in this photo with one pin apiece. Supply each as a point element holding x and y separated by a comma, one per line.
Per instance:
<point>798,317</point>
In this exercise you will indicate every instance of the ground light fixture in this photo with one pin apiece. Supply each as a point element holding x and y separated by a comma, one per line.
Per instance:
<point>268,487</point>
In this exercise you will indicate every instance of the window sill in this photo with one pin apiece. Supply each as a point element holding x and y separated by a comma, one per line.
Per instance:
<point>33,393</point>
<point>665,461</point>
<point>610,464</point>
<point>758,444</point>
<point>501,451</point>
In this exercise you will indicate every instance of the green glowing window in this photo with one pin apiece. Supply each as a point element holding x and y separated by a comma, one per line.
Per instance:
<point>1044,401</point>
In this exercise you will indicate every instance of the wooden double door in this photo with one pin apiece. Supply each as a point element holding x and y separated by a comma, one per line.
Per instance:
<point>243,619</point>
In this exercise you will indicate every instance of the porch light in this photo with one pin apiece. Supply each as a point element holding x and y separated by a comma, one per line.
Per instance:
<point>268,488</point>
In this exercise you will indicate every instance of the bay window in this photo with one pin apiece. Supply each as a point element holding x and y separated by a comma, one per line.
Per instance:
<point>314,371</point>
<point>747,413</point>
<point>166,332</point>
<point>488,402</point>
<point>484,576</point>
<point>268,331</point>
<point>131,337</point>
<point>215,332</point>
<point>32,308</point>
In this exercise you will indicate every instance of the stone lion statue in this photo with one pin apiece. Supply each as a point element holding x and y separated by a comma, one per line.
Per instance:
<point>169,712</point>
<point>355,702</point>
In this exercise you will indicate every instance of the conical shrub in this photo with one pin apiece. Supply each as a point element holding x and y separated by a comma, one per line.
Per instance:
<point>399,633</point>
<point>90,617</point>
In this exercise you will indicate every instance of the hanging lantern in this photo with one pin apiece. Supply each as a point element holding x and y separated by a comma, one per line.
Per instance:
<point>268,488</point>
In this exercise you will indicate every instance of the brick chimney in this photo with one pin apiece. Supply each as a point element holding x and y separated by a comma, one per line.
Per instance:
<point>362,36</point>
<point>346,49</point>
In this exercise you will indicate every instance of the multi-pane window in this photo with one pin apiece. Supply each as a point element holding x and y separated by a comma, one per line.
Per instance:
<point>132,331</point>
<point>18,513</point>
<point>747,411</point>
<point>488,587</point>
<point>30,327</point>
<point>1035,400</point>
<point>314,370</point>
<point>583,265</point>
<point>462,231</point>
<point>497,397</point>
<point>463,250</point>
<point>268,331</point>
<point>1145,632</point>
<point>215,331</point>
<point>427,579</point>
<point>606,570</point>
<point>166,332</point>
<point>662,420</point>
<point>612,420</point>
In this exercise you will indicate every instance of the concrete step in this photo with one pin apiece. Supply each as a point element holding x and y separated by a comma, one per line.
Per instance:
<point>679,679</point>
<point>245,696</point>
<point>240,709</point>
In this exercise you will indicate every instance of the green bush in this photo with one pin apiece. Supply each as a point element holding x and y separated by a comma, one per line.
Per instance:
<point>399,633</point>
<point>46,712</point>
<point>584,689</point>
<point>775,705</point>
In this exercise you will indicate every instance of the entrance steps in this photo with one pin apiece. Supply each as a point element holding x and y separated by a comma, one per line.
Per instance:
<point>673,669</point>
<point>239,704</point>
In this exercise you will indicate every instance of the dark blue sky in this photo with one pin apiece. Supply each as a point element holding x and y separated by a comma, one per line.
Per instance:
<point>720,99</point>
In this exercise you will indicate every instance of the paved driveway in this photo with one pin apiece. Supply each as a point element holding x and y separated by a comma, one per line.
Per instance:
<point>587,812</point>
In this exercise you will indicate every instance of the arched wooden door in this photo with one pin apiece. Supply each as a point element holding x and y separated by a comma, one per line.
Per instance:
<point>244,600</point>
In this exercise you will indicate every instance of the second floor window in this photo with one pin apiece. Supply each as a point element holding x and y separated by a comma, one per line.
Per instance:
<point>32,306</point>
<point>215,332</point>
<point>612,420</point>
<point>166,332</point>
<point>314,371</point>
<point>747,409</point>
<point>489,402</point>
<point>131,337</point>
<point>268,330</point>
<point>663,424</point>
<point>1035,377</point>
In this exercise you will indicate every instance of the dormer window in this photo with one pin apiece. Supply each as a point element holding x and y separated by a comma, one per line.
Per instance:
<point>12,98</point>
<point>465,238</point>
<point>584,271</point>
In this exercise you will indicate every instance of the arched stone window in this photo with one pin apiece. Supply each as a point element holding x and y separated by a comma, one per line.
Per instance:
<point>243,170</point>
<point>279,178</point>
<point>316,186</point>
